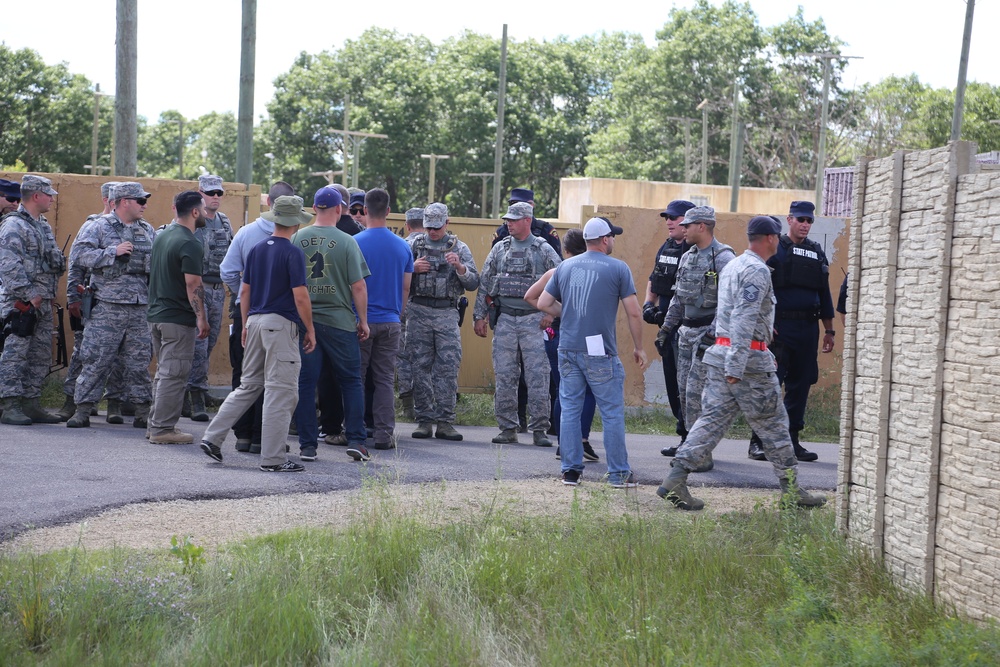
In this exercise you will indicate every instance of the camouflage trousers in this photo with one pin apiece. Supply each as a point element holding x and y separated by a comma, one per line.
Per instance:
<point>116,329</point>
<point>758,396</point>
<point>404,372</point>
<point>25,361</point>
<point>434,346</point>
<point>517,340</point>
<point>691,372</point>
<point>215,305</point>
<point>114,386</point>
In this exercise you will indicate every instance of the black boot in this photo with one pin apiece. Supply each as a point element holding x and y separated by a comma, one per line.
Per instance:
<point>186,405</point>
<point>198,411</point>
<point>756,451</point>
<point>801,453</point>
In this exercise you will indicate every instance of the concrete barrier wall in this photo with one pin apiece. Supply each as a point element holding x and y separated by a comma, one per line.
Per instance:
<point>920,431</point>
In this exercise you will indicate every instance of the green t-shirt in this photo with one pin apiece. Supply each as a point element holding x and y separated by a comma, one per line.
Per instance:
<point>333,263</point>
<point>176,252</point>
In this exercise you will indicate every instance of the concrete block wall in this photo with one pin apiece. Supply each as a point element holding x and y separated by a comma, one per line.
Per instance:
<point>920,424</point>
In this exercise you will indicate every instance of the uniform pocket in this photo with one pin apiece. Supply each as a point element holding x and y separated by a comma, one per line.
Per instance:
<point>765,392</point>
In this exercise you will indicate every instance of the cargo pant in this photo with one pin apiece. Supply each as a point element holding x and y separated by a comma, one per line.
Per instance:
<point>434,346</point>
<point>25,362</point>
<point>517,339</point>
<point>116,329</point>
<point>691,372</point>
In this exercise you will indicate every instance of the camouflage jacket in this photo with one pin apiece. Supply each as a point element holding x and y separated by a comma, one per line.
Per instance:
<point>696,287</point>
<point>505,272</point>
<point>123,279</point>
<point>77,275</point>
<point>30,259</point>
<point>442,281</point>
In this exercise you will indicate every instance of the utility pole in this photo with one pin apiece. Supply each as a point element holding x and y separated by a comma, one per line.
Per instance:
<point>347,128</point>
<point>248,65</point>
<point>430,185</point>
<point>485,176</point>
<point>126,56</point>
<point>737,168</point>
<point>963,66</point>
<point>734,168</point>
<point>501,97</point>
<point>356,138</point>
<point>703,108</point>
<point>97,123</point>
<point>687,143</point>
<point>824,119</point>
<point>330,175</point>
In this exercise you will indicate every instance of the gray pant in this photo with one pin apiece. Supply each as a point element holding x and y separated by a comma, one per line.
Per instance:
<point>173,345</point>
<point>691,372</point>
<point>215,306</point>
<point>518,340</point>
<point>271,364</point>
<point>379,351</point>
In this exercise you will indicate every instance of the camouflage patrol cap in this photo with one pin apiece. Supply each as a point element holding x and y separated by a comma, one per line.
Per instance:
<point>31,183</point>
<point>705,214</point>
<point>518,211</point>
<point>210,182</point>
<point>415,215</point>
<point>108,188</point>
<point>435,216</point>
<point>129,190</point>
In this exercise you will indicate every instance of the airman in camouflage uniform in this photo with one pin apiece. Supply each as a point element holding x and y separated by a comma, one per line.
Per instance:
<point>216,236</point>
<point>513,265</point>
<point>741,374</point>
<point>30,266</point>
<point>443,269</point>
<point>404,375</point>
<point>116,248</point>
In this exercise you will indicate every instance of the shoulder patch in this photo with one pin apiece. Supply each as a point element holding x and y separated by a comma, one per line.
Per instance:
<point>751,293</point>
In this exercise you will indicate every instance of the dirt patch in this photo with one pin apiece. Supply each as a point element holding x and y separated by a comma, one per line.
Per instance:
<point>213,523</point>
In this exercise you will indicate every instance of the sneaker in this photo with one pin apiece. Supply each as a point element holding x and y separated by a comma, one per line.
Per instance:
<point>172,437</point>
<point>624,483</point>
<point>588,452</point>
<point>571,478</point>
<point>243,444</point>
<point>211,450</point>
<point>358,452</point>
<point>287,466</point>
<point>339,440</point>
<point>308,454</point>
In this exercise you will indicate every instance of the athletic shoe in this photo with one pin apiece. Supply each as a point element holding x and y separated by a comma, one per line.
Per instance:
<point>588,452</point>
<point>571,477</point>
<point>308,454</point>
<point>211,450</point>
<point>624,483</point>
<point>358,452</point>
<point>287,466</point>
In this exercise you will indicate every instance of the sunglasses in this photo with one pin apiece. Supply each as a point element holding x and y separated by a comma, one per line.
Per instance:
<point>672,218</point>
<point>804,219</point>
<point>13,200</point>
<point>214,193</point>
<point>141,201</point>
<point>357,211</point>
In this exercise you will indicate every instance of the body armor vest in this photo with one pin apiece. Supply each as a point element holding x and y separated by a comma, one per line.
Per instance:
<point>665,269</point>
<point>518,271</point>
<point>434,283</point>
<point>138,261</point>
<point>802,265</point>
<point>216,245</point>
<point>698,285</point>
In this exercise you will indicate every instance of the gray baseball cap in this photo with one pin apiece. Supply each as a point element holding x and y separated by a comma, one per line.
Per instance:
<point>31,183</point>
<point>519,211</point>
<point>435,215</point>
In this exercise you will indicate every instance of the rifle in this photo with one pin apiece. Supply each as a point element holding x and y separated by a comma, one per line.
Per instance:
<point>62,359</point>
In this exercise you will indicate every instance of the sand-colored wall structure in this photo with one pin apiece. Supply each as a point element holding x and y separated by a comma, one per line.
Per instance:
<point>919,475</point>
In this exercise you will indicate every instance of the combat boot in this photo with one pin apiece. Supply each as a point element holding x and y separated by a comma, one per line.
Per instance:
<point>803,498</point>
<point>198,411</point>
<point>801,453</point>
<point>674,489</point>
<point>406,406</point>
<point>141,418</point>
<point>12,413</point>
<point>186,405</point>
<point>446,431</point>
<point>508,436</point>
<point>67,410</point>
<point>424,430</point>
<point>33,410</point>
<point>128,408</point>
<point>114,412</point>
<point>540,439</point>
<point>82,417</point>
<point>756,450</point>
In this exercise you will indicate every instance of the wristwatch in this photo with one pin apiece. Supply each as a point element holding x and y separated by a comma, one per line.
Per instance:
<point>831,332</point>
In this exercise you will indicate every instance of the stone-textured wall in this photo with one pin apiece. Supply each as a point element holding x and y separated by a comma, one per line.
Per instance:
<point>920,456</point>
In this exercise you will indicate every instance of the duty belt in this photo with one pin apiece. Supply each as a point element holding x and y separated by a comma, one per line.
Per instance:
<point>698,321</point>
<point>754,344</point>
<point>432,302</point>
<point>812,315</point>
<point>517,312</point>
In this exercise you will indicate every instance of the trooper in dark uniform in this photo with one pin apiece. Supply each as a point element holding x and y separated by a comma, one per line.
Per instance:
<point>659,289</point>
<point>545,231</point>
<point>801,278</point>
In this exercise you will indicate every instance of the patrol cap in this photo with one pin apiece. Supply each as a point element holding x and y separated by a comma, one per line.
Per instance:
<point>108,188</point>
<point>677,207</point>
<point>288,212</point>
<point>763,224</point>
<point>599,227</point>
<point>802,209</point>
<point>415,214</point>
<point>326,197</point>
<point>357,199</point>
<point>518,211</point>
<point>9,188</point>
<point>704,214</point>
<point>210,182</point>
<point>129,190</point>
<point>32,183</point>
<point>435,216</point>
<point>522,194</point>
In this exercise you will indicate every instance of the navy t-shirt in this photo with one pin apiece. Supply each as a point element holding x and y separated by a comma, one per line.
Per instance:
<point>388,258</point>
<point>273,268</point>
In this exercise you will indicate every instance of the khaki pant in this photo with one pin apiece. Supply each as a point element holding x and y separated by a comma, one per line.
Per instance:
<point>173,345</point>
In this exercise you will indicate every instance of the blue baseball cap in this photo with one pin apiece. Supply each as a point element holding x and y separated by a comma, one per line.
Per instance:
<point>357,199</point>
<point>802,209</point>
<point>327,197</point>
<point>763,224</point>
<point>521,194</point>
<point>9,188</point>
<point>677,207</point>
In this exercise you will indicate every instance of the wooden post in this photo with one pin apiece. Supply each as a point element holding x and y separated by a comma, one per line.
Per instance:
<point>126,56</point>
<point>501,97</point>
<point>244,128</point>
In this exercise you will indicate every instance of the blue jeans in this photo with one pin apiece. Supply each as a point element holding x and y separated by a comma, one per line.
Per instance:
<point>606,377</point>
<point>589,402</point>
<point>342,351</point>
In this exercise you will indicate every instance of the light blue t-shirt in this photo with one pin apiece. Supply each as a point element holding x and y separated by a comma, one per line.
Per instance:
<point>388,258</point>
<point>589,286</point>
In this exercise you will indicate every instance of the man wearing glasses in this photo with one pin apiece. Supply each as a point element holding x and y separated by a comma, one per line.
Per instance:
<point>215,236</point>
<point>801,278</point>
<point>116,248</point>
<point>10,196</point>
<point>358,207</point>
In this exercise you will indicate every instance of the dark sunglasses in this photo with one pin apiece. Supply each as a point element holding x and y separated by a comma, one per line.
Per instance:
<point>215,193</point>
<point>357,211</point>
<point>13,200</point>
<point>804,219</point>
<point>140,200</point>
<point>671,218</point>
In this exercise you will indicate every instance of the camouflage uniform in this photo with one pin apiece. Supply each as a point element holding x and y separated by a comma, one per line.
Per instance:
<point>745,313</point>
<point>692,308</point>
<point>30,266</point>
<point>404,374</point>
<point>118,321</point>
<point>506,276</point>
<point>216,236</point>
<point>433,341</point>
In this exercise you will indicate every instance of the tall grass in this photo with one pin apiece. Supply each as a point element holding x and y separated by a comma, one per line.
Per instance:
<point>595,587</point>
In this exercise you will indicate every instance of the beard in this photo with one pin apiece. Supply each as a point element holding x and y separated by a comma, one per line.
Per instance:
<point>200,222</point>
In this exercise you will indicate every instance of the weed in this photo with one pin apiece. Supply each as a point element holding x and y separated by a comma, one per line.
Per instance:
<point>190,555</point>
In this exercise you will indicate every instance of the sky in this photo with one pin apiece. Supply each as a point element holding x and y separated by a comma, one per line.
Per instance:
<point>185,41</point>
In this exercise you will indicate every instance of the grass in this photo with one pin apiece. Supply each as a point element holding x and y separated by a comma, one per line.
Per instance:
<point>594,587</point>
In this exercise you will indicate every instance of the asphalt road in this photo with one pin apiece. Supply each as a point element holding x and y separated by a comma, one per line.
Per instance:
<point>54,475</point>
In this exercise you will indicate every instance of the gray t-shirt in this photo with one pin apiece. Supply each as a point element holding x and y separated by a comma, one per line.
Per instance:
<point>589,286</point>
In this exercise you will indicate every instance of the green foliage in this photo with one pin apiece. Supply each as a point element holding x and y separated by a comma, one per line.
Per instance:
<point>190,555</point>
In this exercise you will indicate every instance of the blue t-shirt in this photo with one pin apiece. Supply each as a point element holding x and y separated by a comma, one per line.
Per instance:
<point>388,258</point>
<point>589,286</point>
<point>273,268</point>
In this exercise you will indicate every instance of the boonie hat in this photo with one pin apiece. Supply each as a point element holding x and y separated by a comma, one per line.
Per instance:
<point>704,214</point>
<point>326,197</point>
<point>763,224</point>
<point>435,215</point>
<point>802,209</point>
<point>287,212</point>
<point>32,183</point>
<point>600,227</point>
<point>210,182</point>
<point>518,211</point>
<point>677,207</point>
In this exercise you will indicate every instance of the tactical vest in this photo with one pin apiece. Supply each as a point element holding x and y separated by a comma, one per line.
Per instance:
<point>49,258</point>
<point>434,283</point>
<point>216,245</point>
<point>138,262</point>
<point>665,269</point>
<point>518,272</point>
<point>695,287</point>
<point>802,265</point>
